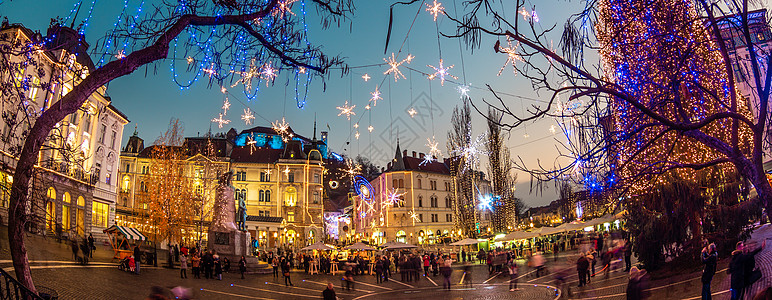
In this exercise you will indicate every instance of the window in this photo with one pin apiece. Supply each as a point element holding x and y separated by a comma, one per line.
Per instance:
<point>112,139</point>
<point>316,198</point>
<point>448,218</point>
<point>265,176</point>
<point>447,186</point>
<point>264,213</point>
<point>268,196</point>
<point>66,218</point>
<point>433,184</point>
<point>102,132</point>
<point>394,183</point>
<point>317,178</point>
<point>290,217</point>
<point>107,178</point>
<point>435,218</point>
<point>418,186</point>
<point>401,183</point>
<point>261,196</point>
<point>291,177</point>
<point>86,122</point>
<point>447,201</point>
<point>420,217</point>
<point>100,213</point>
<point>290,196</point>
<point>420,201</point>
<point>434,201</point>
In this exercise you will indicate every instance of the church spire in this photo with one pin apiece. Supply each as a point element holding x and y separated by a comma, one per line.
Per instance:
<point>314,139</point>
<point>399,162</point>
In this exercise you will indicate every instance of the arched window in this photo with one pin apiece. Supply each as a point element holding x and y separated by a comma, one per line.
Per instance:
<point>261,196</point>
<point>51,193</point>
<point>434,201</point>
<point>420,201</point>
<point>401,183</point>
<point>125,185</point>
<point>51,210</point>
<point>419,184</point>
<point>267,195</point>
<point>290,236</point>
<point>447,201</point>
<point>401,236</point>
<point>290,196</point>
<point>394,183</point>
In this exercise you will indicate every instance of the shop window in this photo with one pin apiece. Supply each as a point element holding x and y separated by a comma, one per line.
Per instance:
<point>290,196</point>
<point>100,213</point>
<point>290,217</point>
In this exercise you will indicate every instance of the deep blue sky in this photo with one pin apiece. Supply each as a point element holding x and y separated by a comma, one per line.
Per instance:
<point>150,101</point>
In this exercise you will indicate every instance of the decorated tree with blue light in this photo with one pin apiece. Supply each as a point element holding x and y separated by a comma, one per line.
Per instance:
<point>241,44</point>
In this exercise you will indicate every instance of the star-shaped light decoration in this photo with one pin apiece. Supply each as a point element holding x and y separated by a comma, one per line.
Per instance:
<point>121,55</point>
<point>248,116</point>
<point>471,152</point>
<point>393,198</point>
<point>412,112</point>
<point>524,13</point>
<point>223,90</point>
<point>376,95</point>
<point>413,216</point>
<point>441,71</point>
<point>463,90</point>
<point>394,66</point>
<point>356,125</point>
<point>220,121</point>
<point>356,135</point>
<point>282,128</point>
<point>434,151</point>
<point>225,106</point>
<point>301,70</point>
<point>210,71</point>
<point>283,7</point>
<point>512,55</point>
<point>247,75</point>
<point>534,17</point>
<point>552,129</point>
<point>486,202</point>
<point>370,128</point>
<point>268,73</point>
<point>367,107</point>
<point>352,169</point>
<point>434,9</point>
<point>346,110</point>
<point>366,77</point>
<point>251,143</point>
<point>189,60</point>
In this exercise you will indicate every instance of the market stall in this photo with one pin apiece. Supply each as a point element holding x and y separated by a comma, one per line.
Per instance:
<point>119,237</point>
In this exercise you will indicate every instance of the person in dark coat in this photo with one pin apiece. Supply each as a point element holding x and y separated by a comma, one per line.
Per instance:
<point>329,293</point>
<point>582,264</point>
<point>137,259</point>
<point>637,285</point>
<point>75,250</point>
<point>217,268</point>
<point>208,261</point>
<point>446,272</point>
<point>91,246</point>
<point>242,266</point>
<point>226,264</point>
<point>709,258</point>
<point>378,270</point>
<point>285,270</point>
<point>628,254</point>
<point>86,249</point>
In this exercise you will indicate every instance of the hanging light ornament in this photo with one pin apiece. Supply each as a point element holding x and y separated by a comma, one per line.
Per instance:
<point>248,116</point>
<point>225,106</point>
<point>220,121</point>
<point>346,110</point>
<point>512,55</point>
<point>268,73</point>
<point>366,77</point>
<point>376,95</point>
<point>412,112</point>
<point>435,9</point>
<point>463,90</point>
<point>441,72</point>
<point>394,66</point>
<point>282,128</point>
<point>283,7</point>
<point>248,75</point>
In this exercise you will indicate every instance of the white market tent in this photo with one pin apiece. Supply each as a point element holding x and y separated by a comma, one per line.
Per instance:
<point>397,245</point>
<point>359,246</point>
<point>318,246</point>
<point>465,242</point>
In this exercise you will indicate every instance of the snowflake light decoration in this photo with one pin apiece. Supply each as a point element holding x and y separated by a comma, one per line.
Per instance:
<point>356,135</point>
<point>463,90</point>
<point>394,66</point>
<point>268,73</point>
<point>190,60</point>
<point>248,116</point>
<point>486,201</point>
<point>220,121</point>
<point>251,143</point>
<point>282,128</point>
<point>524,13</point>
<point>376,95</point>
<point>412,112</point>
<point>414,216</point>
<point>470,154</point>
<point>301,70</point>
<point>210,71</point>
<point>393,198</point>
<point>434,9</point>
<point>441,72</point>
<point>352,169</point>
<point>370,128</point>
<point>366,77</point>
<point>283,7</point>
<point>346,110</point>
<point>247,75</point>
<point>434,151</point>
<point>512,56</point>
<point>121,55</point>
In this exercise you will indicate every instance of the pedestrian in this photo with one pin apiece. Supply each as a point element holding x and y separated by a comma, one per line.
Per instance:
<point>242,266</point>
<point>378,270</point>
<point>217,267</point>
<point>84,247</point>
<point>480,256</point>
<point>463,255</point>
<point>285,269</point>
<point>275,265</point>
<point>709,259</point>
<point>426,263</point>
<point>581,268</point>
<point>226,264</point>
<point>403,269</point>
<point>512,268</point>
<point>741,267</point>
<point>91,246</point>
<point>628,251</point>
<point>195,263</point>
<point>446,271</point>
<point>348,277</point>
<point>329,292</point>
<point>538,263</point>
<point>137,258</point>
<point>467,272</point>
<point>637,285</point>
<point>176,253</point>
<point>74,246</point>
<point>183,266</point>
<point>592,257</point>
<point>208,261</point>
<point>386,267</point>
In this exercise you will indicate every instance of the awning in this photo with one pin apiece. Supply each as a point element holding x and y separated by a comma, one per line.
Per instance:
<point>128,232</point>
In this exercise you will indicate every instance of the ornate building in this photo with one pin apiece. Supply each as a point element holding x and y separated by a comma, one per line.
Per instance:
<point>74,188</point>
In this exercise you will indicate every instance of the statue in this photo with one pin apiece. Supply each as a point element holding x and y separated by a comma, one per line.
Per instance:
<point>242,215</point>
<point>224,206</point>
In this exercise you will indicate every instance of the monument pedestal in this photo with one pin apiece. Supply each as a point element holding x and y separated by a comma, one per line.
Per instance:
<point>231,244</point>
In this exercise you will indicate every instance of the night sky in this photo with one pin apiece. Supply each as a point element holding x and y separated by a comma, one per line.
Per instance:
<point>150,98</point>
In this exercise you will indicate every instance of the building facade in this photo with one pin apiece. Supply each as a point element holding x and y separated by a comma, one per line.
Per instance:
<point>74,187</point>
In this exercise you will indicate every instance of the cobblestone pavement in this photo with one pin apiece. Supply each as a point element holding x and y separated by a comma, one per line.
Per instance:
<point>52,267</point>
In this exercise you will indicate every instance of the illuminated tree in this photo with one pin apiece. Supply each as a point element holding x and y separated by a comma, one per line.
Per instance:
<point>170,192</point>
<point>506,209</point>
<point>253,38</point>
<point>662,99</point>
<point>460,138</point>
